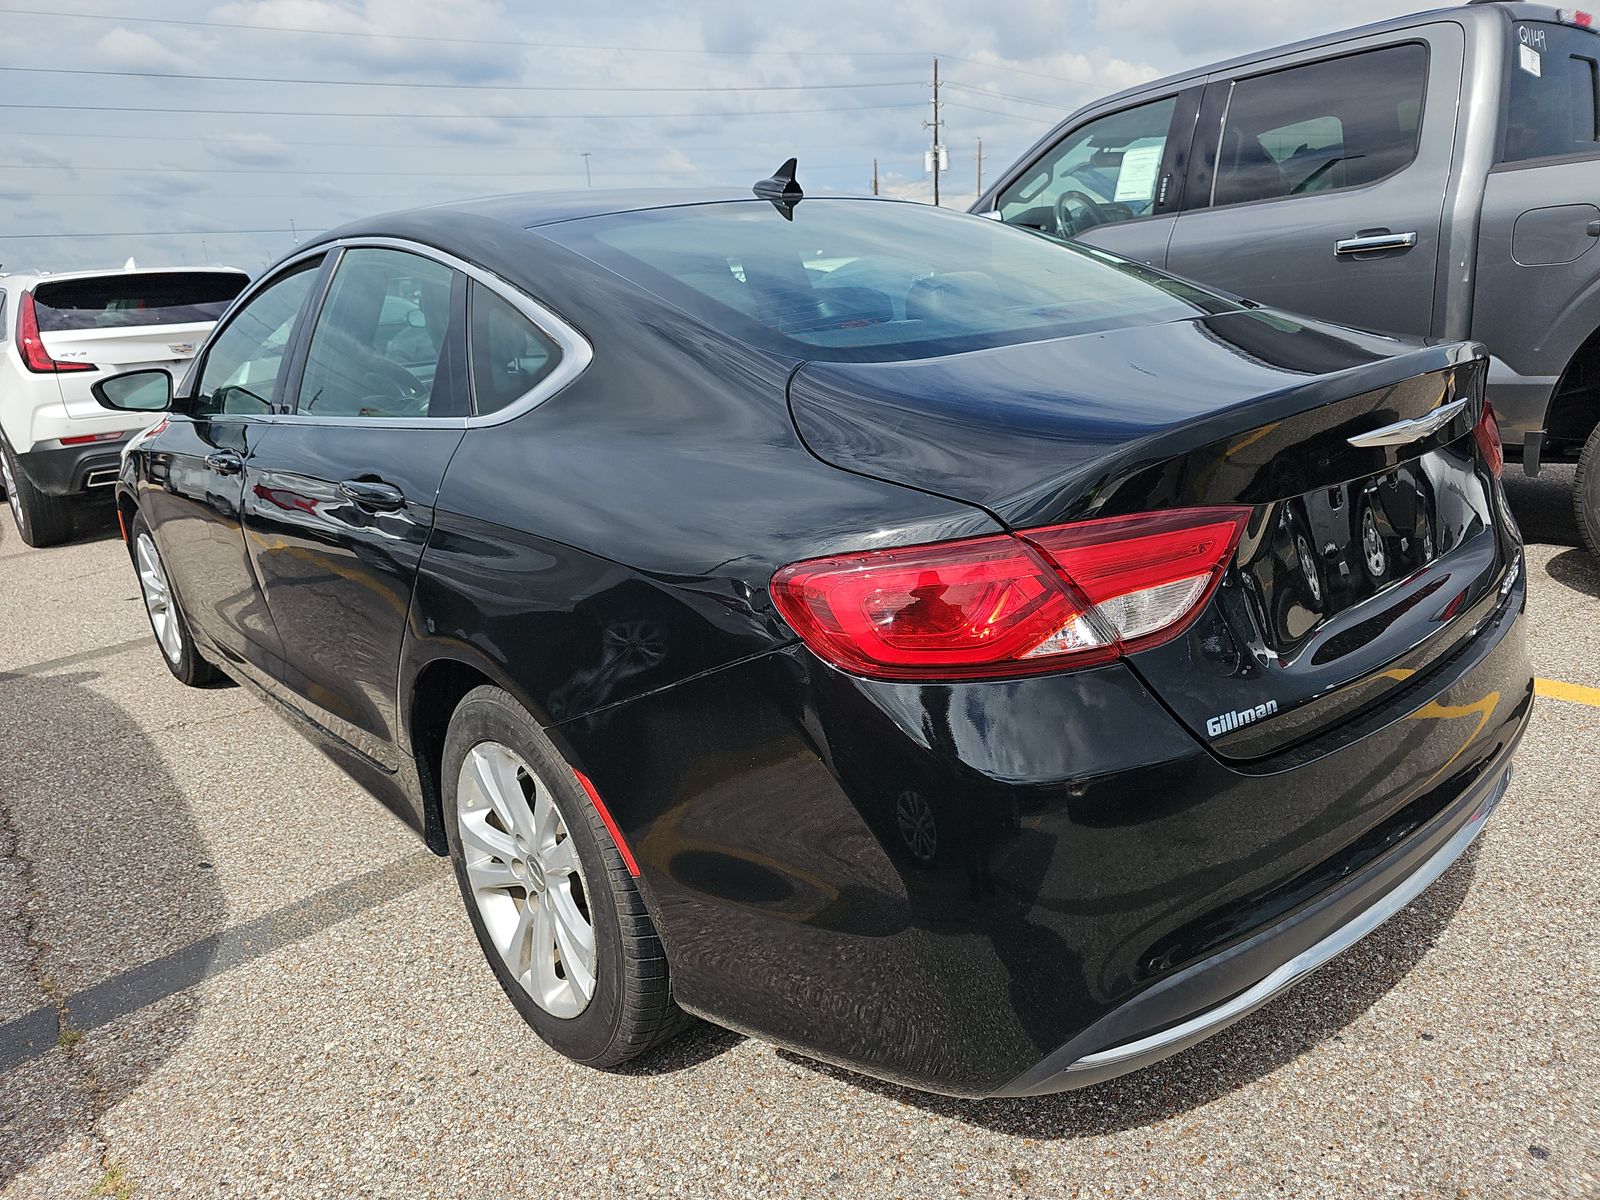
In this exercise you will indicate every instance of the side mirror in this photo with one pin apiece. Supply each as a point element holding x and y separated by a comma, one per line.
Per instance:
<point>135,391</point>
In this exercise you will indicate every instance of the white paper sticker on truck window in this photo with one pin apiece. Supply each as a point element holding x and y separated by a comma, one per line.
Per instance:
<point>1136,180</point>
<point>1531,61</point>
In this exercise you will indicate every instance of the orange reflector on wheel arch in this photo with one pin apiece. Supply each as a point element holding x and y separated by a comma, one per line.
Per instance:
<point>611,825</point>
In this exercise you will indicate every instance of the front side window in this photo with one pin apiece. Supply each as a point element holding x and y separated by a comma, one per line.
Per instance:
<point>1100,174</point>
<point>1342,123</point>
<point>875,281</point>
<point>1553,105</point>
<point>509,353</point>
<point>244,367</point>
<point>377,344</point>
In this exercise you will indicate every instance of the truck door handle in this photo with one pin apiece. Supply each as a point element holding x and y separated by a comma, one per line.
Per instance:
<point>1367,243</point>
<point>1593,229</point>
<point>374,495</point>
<point>225,462</point>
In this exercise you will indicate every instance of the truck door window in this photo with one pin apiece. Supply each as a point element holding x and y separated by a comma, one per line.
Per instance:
<point>1341,123</point>
<point>1553,106</point>
<point>1099,174</point>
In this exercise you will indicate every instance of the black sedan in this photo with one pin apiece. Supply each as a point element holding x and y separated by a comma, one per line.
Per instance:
<point>965,657</point>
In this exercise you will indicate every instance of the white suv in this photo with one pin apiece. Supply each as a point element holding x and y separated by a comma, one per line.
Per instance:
<point>61,333</point>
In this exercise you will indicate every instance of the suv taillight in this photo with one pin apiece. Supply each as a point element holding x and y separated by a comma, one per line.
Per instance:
<point>34,356</point>
<point>1007,605</point>
<point>1487,433</point>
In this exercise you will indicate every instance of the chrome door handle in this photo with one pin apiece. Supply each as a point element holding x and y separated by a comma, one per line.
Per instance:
<point>1375,241</point>
<point>225,462</point>
<point>373,494</point>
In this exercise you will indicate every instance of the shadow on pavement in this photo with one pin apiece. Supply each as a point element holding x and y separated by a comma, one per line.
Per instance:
<point>1575,569</point>
<point>108,871</point>
<point>1288,1027</point>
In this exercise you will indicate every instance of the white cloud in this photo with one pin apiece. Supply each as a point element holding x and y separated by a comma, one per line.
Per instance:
<point>1027,61</point>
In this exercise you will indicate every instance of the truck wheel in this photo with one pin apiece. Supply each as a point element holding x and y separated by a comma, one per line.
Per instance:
<point>1586,494</point>
<point>41,520</point>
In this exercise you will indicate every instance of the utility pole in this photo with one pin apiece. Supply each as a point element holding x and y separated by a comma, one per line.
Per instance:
<point>980,166</point>
<point>588,180</point>
<point>874,177</point>
<point>934,125</point>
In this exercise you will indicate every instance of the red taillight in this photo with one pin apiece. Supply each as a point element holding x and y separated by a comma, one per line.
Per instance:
<point>1573,16</point>
<point>1008,605</point>
<point>34,356</point>
<point>1487,433</point>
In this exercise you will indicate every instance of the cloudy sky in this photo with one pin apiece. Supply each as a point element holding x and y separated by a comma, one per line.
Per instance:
<point>308,113</point>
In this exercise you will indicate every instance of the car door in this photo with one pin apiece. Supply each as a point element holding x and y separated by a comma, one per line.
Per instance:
<point>1537,264</point>
<point>197,468</point>
<point>1318,186</point>
<point>339,502</point>
<point>1114,180</point>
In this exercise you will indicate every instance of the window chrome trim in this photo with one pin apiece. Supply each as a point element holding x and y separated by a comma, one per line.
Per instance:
<point>576,352</point>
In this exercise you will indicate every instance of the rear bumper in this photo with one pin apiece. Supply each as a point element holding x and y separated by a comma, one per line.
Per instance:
<point>73,470</point>
<point>974,888</point>
<point>1184,1009</point>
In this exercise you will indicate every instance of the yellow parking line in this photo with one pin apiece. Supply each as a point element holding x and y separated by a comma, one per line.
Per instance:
<point>1573,692</point>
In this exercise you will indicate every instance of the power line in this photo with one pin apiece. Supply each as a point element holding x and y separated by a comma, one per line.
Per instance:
<point>1008,96</point>
<point>243,143</point>
<point>501,174</point>
<point>456,87</point>
<point>997,113</point>
<point>33,237</point>
<point>271,112</point>
<point>461,41</point>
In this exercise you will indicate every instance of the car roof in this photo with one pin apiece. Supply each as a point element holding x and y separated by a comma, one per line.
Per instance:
<point>532,209</point>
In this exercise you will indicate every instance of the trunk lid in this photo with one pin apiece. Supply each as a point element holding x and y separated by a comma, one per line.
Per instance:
<point>1363,563</point>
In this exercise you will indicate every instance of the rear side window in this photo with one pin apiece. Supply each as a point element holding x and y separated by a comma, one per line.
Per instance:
<point>509,353</point>
<point>1342,123</point>
<point>1553,106</point>
<point>875,281</point>
<point>379,342</point>
<point>123,301</point>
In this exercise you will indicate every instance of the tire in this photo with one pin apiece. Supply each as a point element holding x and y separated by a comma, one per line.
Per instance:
<point>629,1008</point>
<point>42,520</point>
<point>1586,494</point>
<point>167,622</point>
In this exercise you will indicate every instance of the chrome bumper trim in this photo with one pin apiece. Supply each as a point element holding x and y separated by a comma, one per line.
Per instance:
<point>1297,968</point>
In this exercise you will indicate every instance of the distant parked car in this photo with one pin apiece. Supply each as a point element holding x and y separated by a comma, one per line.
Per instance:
<point>859,624</point>
<point>58,335</point>
<point>1435,175</point>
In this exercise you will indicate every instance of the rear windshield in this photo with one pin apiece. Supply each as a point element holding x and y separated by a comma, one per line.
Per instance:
<point>120,301</point>
<point>1554,102</point>
<point>870,281</point>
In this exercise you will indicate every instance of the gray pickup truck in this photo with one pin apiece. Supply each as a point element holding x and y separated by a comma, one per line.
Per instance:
<point>1435,176</point>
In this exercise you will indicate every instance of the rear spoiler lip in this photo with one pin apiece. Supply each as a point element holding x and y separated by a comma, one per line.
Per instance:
<point>1356,400</point>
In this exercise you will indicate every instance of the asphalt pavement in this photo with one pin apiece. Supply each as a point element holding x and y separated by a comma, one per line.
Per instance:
<point>227,971</point>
